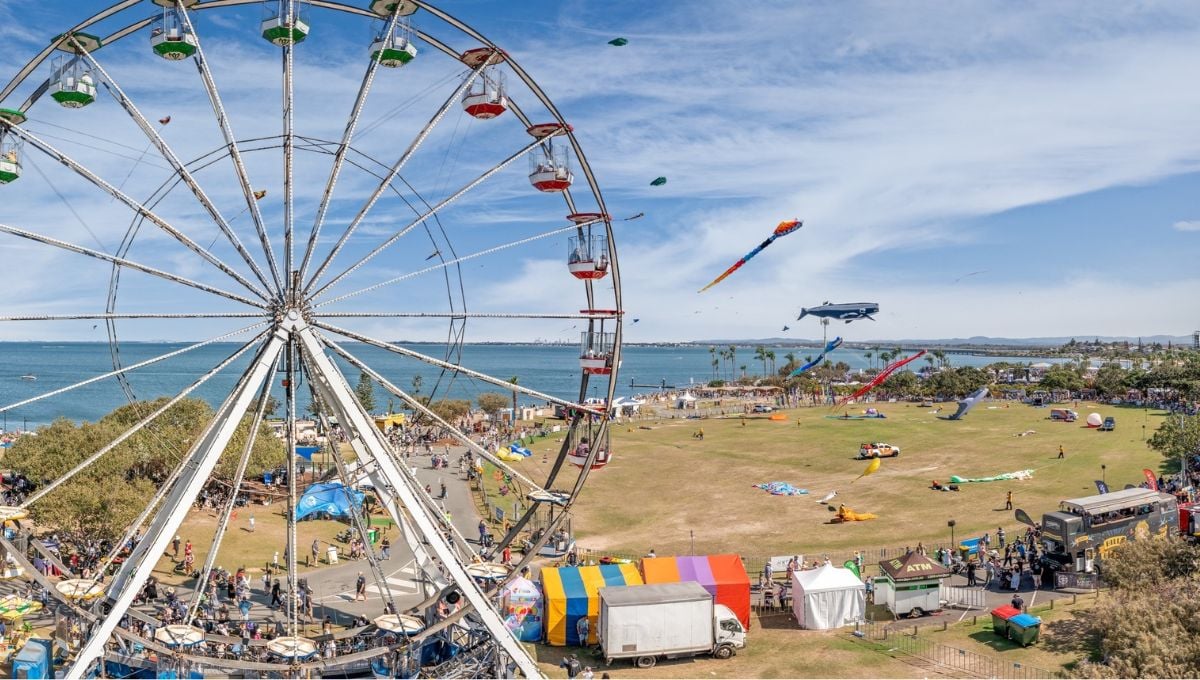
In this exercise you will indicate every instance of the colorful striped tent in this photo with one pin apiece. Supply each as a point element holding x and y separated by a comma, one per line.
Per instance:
<point>724,576</point>
<point>572,593</point>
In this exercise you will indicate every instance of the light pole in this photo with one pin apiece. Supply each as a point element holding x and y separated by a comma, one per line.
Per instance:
<point>1103,469</point>
<point>953,546</point>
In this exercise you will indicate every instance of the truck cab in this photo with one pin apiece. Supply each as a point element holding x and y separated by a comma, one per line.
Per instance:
<point>728,632</point>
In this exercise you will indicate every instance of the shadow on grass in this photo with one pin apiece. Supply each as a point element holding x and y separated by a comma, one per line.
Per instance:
<point>1071,635</point>
<point>777,620</point>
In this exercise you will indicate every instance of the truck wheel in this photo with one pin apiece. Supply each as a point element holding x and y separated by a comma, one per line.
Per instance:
<point>916,612</point>
<point>645,661</point>
<point>723,652</point>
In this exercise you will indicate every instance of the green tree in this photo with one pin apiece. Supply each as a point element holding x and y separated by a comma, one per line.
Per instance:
<point>491,402</point>
<point>1177,437</point>
<point>902,383</point>
<point>417,381</point>
<point>1111,380</point>
<point>450,410</point>
<point>365,391</point>
<point>1061,378</point>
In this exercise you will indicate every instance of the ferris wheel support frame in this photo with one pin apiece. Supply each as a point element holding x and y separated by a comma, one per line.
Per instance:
<point>199,465</point>
<point>329,379</point>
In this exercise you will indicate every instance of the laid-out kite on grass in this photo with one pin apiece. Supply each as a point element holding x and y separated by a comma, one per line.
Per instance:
<point>781,489</point>
<point>871,468</point>
<point>829,347</point>
<point>783,229</point>
<point>1006,477</point>
<point>883,375</point>
<point>827,497</point>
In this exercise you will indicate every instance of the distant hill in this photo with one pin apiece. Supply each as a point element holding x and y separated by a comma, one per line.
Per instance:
<point>975,341</point>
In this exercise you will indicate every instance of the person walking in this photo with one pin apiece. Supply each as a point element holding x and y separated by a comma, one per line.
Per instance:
<point>175,547</point>
<point>385,549</point>
<point>971,579</point>
<point>360,588</point>
<point>1008,500</point>
<point>251,521</point>
<point>482,531</point>
<point>1061,452</point>
<point>276,600</point>
<point>316,551</point>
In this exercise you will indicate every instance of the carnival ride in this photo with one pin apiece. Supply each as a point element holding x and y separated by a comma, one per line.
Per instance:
<point>296,327</point>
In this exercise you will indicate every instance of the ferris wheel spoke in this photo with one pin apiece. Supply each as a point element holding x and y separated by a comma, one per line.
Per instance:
<point>128,263</point>
<point>87,462</point>
<point>133,316</point>
<point>451,263</point>
<point>137,207</point>
<point>339,157</point>
<point>395,171</point>
<point>584,316</point>
<point>235,154</point>
<point>196,469</point>
<point>289,101</point>
<point>238,476</point>
<point>456,368</point>
<point>426,215</point>
<point>417,405</point>
<point>169,155</point>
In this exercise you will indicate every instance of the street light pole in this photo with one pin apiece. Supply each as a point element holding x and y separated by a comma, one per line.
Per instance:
<point>1103,469</point>
<point>953,545</point>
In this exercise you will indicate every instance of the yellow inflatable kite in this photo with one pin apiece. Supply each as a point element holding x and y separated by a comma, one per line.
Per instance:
<point>845,514</point>
<point>871,467</point>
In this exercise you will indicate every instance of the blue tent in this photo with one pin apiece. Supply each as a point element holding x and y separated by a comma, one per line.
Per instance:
<point>332,498</point>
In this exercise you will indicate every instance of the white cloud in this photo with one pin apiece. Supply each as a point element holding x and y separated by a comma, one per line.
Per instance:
<point>1186,225</point>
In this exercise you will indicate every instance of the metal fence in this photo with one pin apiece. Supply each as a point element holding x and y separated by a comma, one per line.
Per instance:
<point>963,598</point>
<point>961,661</point>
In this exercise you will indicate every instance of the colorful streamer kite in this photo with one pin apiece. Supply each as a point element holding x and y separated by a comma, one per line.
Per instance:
<point>783,229</point>
<point>883,375</point>
<point>829,347</point>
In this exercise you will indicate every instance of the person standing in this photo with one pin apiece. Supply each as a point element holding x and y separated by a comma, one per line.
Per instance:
<point>316,551</point>
<point>571,663</point>
<point>385,549</point>
<point>1000,535</point>
<point>1061,452</point>
<point>482,531</point>
<point>276,600</point>
<point>583,630</point>
<point>1008,500</point>
<point>251,521</point>
<point>1018,602</point>
<point>175,547</point>
<point>971,579</point>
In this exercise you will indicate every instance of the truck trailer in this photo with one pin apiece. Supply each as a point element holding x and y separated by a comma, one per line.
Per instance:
<point>669,620</point>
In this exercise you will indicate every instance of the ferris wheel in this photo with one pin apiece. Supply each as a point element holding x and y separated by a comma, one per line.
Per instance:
<point>288,296</point>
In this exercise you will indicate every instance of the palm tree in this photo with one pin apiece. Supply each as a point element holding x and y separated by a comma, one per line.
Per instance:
<point>715,364</point>
<point>791,359</point>
<point>868,356</point>
<point>760,354</point>
<point>771,358</point>
<point>732,358</point>
<point>929,358</point>
<point>884,358</point>
<point>743,367</point>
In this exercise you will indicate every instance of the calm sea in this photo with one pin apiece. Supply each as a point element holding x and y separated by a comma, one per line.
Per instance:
<point>551,369</point>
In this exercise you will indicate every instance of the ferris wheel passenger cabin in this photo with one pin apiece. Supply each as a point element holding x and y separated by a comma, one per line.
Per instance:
<point>587,256</point>
<point>549,165</point>
<point>280,29</point>
<point>596,352</point>
<point>487,96</point>
<point>10,160</point>
<point>394,48</point>
<point>72,84</point>
<point>583,441</point>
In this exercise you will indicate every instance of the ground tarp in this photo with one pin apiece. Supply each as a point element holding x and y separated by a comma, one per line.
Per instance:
<point>332,498</point>
<point>573,593</point>
<point>829,597</point>
<point>724,576</point>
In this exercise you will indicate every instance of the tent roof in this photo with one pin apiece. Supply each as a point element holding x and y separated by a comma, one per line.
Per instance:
<point>827,577</point>
<point>913,566</point>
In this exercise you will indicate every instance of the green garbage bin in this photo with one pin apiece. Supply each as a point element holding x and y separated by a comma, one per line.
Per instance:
<point>1001,617</point>
<point>1023,629</point>
<point>373,534</point>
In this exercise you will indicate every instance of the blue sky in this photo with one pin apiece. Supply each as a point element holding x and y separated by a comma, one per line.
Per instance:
<point>1049,146</point>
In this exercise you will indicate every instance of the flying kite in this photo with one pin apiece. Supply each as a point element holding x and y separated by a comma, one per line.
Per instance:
<point>829,347</point>
<point>164,121</point>
<point>618,42</point>
<point>636,320</point>
<point>871,468</point>
<point>883,375</point>
<point>783,229</point>
<point>967,404</point>
<point>658,182</point>
<point>634,217</point>
<point>981,271</point>
<point>433,255</point>
<point>260,195</point>
<point>785,329</point>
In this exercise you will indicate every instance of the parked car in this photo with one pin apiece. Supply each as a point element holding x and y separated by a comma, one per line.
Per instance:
<point>1110,424</point>
<point>878,450</point>
<point>762,408</point>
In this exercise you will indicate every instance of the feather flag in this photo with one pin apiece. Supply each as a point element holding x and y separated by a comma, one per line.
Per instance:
<point>883,375</point>
<point>872,467</point>
<point>783,229</point>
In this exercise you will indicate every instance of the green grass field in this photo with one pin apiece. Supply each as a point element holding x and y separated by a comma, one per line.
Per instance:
<point>665,484</point>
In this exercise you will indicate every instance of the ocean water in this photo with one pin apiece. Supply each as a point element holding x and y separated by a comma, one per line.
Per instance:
<point>552,369</point>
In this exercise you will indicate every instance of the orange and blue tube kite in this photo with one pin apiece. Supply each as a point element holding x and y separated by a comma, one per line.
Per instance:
<point>783,229</point>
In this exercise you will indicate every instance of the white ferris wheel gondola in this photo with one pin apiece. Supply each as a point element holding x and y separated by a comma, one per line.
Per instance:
<point>171,39</point>
<point>487,96</point>
<point>281,27</point>
<point>400,624</point>
<point>292,648</point>
<point>179,635</point>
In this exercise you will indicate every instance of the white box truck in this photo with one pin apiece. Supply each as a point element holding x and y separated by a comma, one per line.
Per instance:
<point>670,620</point>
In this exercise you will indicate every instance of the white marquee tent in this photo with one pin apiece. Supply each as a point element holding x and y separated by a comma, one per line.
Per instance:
<point>829,597</point>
